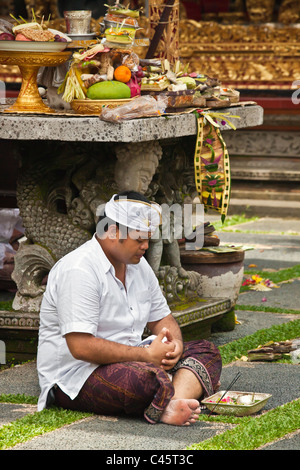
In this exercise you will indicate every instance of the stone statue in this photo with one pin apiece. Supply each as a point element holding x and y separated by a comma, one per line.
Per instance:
<point>137,163</point>
<point>59,195</point>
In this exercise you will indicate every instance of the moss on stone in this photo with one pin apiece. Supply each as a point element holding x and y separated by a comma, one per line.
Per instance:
<point>226,323</point>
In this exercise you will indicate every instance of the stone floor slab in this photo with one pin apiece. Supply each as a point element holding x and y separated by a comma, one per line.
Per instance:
<point>11,411</point>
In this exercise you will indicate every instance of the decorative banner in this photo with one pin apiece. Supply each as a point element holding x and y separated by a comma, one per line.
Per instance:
<point>211,162</point>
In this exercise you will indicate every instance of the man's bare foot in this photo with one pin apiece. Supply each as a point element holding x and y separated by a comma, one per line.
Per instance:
<point>181,412</point>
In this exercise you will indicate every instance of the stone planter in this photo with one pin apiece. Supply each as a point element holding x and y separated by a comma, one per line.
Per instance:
<point>221,273</point>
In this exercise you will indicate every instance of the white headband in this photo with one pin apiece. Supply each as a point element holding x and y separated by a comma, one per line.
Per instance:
<point>137,215</point>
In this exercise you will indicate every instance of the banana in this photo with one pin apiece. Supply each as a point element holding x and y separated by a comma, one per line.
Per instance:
<point>189,81</point>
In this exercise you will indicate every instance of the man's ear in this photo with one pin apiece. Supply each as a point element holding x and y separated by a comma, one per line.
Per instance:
<point>112,232</point>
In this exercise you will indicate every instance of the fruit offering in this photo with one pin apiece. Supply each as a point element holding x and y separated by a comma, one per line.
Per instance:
<point>120,24</point>
<point>29,31</point>
<point>118,14</point>
<point>116,72</point>
<point>108,90</point>
<point>120,35</point>
<point>111,70</point>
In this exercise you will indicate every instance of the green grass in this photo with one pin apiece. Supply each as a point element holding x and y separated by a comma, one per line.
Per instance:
<point>254,432</point>
<point>37,424</point>
<point>233,220</point>
<point>18,398</point>
<point>262,308</point>
<point>236,349</point>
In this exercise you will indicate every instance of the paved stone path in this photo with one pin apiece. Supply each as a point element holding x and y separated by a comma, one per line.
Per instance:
<point>122,433</point>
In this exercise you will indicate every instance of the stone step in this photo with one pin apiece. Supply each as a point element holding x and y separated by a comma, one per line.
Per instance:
<point>266,168</point>
<point>282,195</point>
<point>289,191</point>
<point>264,207</point>
<point>264,174</point>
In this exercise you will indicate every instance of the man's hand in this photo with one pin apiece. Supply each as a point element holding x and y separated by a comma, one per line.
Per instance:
<point>165,353</point>
<point>173,335</point>
<point>159,350</point>
<point>172,357</point>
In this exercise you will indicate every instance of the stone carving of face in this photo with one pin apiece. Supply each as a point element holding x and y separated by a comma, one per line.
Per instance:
<point>135,171</point>
<point>136,176</point>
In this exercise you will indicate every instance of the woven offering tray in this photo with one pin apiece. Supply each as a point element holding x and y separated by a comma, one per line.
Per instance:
<point>230,404</point>
<point>94,107</point>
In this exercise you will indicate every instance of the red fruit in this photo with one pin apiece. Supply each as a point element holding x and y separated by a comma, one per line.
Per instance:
<point>21,37</point>
<point>135,89</point>
<point>7,37</point>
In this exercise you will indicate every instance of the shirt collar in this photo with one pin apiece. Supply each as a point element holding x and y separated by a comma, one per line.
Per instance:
<point>105,263</point>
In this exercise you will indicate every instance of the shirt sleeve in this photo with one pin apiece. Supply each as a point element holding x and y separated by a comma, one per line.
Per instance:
<point>78,300</point>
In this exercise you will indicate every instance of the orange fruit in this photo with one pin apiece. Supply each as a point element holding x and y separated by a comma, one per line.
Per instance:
<point>122,74</point>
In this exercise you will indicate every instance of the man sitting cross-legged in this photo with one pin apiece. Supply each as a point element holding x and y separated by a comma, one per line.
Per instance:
<point>98,301</point>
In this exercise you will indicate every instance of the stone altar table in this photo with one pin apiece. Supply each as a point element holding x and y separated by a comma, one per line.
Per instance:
<point>69,164</point>
<point>71,127</point>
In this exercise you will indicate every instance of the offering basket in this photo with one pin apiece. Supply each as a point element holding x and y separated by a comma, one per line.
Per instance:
<point>235,409</point>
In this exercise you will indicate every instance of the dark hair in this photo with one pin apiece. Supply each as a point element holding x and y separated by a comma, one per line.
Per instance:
<point>123,194</point>
<point>132,195</point>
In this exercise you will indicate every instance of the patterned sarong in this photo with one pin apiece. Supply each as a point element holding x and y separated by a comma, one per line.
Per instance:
<point>140,388</point>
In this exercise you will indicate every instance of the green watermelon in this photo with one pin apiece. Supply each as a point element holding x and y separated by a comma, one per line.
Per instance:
<point>110,90</point>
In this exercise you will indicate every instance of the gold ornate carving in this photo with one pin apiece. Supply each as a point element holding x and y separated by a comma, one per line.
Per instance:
<point>168,47</point>
<point>29,100</point>
<point>42,8</point>
<point>260,11</point>
<point>241,55</point>
<point>289,12</point>
<point>245,56</point>
<point>10,73</point>
<point>210,32</point>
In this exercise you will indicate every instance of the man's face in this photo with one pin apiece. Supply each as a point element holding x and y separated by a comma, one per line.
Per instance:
<point>130,250</point>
